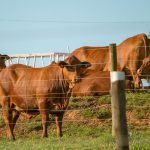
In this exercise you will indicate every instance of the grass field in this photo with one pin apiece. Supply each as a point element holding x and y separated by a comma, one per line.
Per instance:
<point>86,126</point>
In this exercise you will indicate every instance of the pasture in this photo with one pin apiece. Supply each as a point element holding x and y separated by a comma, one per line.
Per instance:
<point>86,126</point>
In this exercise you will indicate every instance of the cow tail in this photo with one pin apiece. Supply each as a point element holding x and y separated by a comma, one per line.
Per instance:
<point>146,45</point>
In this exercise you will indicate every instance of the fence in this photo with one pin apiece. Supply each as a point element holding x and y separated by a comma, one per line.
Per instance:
<point>52,57</point>
<point>37,59</point>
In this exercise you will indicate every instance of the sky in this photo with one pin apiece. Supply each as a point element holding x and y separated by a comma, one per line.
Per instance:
<point>43,26</point>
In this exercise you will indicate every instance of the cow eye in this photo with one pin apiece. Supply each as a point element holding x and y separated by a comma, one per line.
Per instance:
<point>71,68</point>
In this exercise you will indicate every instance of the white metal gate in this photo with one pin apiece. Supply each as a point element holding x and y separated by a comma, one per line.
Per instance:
<point>37,59</point>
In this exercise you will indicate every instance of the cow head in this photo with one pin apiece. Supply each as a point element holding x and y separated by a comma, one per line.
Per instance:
<point>144,70</point>
<point>3,58</point>
<point>145,67</point>
<point>73,70</point>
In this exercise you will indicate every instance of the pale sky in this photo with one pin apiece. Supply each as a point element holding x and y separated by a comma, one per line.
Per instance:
<point>42,26</point>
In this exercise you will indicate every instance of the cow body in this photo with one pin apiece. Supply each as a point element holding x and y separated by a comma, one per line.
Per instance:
<point>37,90</point>
<point>130,54</point>
<point>96,83</point>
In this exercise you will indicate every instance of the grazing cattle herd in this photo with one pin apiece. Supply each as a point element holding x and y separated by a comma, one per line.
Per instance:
<point>29,91</point>
<point>130,54</point>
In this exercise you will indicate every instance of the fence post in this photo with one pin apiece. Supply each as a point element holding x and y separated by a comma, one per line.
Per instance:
<point>113,57</point>
<point>119,125</point>
<point>113,67</point>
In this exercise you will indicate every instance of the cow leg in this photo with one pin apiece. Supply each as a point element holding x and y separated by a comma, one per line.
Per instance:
<point>15,117</point>
<point>7,115</point>
<point>58,120</point>
<point>44,116</point>
<point>137,82</point>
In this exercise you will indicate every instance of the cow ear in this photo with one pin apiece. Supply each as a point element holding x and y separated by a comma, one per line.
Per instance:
<point>73,60</point>
<point>85,64</point>
<point>62,64</point>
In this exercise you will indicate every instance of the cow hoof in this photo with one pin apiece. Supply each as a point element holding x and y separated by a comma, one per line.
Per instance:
<point>44,136</point>
<point>60,135</point>
<point>12,138</point>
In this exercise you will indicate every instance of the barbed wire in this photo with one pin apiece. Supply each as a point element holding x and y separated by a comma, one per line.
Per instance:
<point>52,65</point>
<point>63,95</point>
<point>77,120</point>
<point>48,80</point>
<point>73,109</point>
<point>69,21</point>
<point>121,61</point>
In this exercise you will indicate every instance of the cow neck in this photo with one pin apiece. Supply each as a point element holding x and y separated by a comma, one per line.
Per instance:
<point>63,85</point>
<point>63,82</point>
<point>66,90</point>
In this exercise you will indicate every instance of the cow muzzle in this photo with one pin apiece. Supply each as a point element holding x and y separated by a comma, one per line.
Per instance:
<point>77,79</point>
<point>74,81</point>
<point>139,72</point>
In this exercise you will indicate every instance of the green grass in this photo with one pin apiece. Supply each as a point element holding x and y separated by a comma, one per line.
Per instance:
<point>100,114</point>
<point>90,129</point>
<point>58,144</point>
<point>76,138</point>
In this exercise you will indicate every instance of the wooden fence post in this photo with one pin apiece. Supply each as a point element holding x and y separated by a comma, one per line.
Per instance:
<point>113,57</point>
<point>119,125</point>
<point>113,67</point>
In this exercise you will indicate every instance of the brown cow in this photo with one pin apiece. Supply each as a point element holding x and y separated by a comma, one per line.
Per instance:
<point>3,58</point>
<point>130,54</point>
<point>38,90</point>
<point>96,83</point>
<point>144,70</point>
